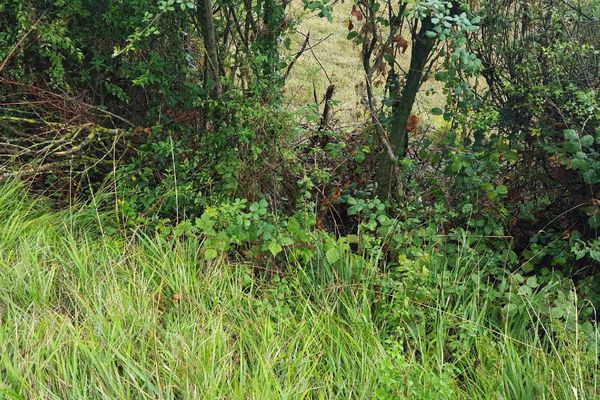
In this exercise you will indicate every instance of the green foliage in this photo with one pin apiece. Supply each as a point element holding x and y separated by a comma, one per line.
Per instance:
<point>443,321</point>
<point>478,280</point>
<point>546,116</point>
<point>250,229</point>
<point>74,50</point>
<point>180,173</point>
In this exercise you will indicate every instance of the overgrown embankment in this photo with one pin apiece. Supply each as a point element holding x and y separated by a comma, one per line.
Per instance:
<point>88,312</point>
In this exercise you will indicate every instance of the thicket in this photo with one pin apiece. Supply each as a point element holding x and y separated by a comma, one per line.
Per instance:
<point>169,116</point>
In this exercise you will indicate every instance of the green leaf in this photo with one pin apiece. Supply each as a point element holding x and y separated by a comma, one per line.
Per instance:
<point>352,239</point>
<point>525,291</point>
<point>313,5</point>
<point>382,219</point>
<point>352,35</point>
<point>590,177</point>
<point>441,76</point>
<point>437,111</point>
<point>210,254</point>
<point>594,221</point>
<point>556,312</point>
<point>587,141</point>
<point>501,189</point>
<point>275,248</point>
<point>532,282</point>
<point>467,208</point>
<point>571,135</point>
<point>332,255</point>
<point>456,165</point>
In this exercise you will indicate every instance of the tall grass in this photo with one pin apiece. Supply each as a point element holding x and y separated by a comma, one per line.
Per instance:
<point>85,316</point>
<point>90,315</point>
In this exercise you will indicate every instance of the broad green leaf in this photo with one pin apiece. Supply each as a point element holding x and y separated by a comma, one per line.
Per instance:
<point>275,248</point>
<point>332,255</point>
<point>210,254</point>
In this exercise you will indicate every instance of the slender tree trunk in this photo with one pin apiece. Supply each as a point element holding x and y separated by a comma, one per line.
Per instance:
<point>403,105</point>
<point>207,28</point>
<point>403,101</point>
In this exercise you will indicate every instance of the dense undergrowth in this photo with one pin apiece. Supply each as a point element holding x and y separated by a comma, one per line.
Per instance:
<point>186,213</point>
<point>84,314</point>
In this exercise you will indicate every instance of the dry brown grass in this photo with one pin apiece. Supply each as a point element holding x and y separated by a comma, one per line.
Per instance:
<point>337,59</point>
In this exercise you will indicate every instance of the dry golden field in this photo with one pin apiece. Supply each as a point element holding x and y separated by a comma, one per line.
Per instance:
<point>336,59</point>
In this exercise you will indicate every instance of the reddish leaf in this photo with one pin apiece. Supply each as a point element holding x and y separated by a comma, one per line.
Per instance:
<point>357,13</point>
<point>412,123</point>
<point>401,43</point>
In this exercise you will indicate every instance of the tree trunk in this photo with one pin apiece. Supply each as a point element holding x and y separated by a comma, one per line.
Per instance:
<point>402,105</point>
<point>207,28</point>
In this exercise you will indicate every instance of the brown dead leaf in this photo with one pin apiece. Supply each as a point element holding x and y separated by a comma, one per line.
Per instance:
<point>336,194</point>
<point>319,223</point>
<point>401,43</point>
<point>177,297</point>
<point>412,123</point>
<point>349,24</point>
<point>595,202</point>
